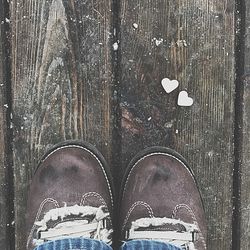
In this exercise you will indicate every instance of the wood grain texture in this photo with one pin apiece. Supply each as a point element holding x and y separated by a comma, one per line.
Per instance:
<point>62,82</point>
<point>245,170</point>
<point>4,206</point>
<point>3,212</point>
<point>193,42</point>
<point>245,174</point>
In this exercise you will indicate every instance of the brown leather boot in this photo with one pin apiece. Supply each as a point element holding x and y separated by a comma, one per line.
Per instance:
<point>160,201</point>
<point>70,196</point>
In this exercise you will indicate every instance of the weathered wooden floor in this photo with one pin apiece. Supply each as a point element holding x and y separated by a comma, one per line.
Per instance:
<point>61,77</point>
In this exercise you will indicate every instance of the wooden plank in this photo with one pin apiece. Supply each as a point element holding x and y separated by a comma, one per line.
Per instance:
<point>245,172</point>
<point>62,82</point>
<point>3,211</point>
<point>245,168</point>
<point>192,42</point>
<point>5,195</point>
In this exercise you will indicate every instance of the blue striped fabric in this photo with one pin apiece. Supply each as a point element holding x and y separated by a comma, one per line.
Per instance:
<point>89,244</point>
<point>147,245</point>
<point>74,244</point>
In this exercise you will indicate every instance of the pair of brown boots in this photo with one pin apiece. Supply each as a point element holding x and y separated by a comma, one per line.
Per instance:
<point>71,195</point>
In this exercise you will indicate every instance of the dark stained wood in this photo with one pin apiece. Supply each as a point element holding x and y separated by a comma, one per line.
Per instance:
<point>4,195</point>
<point>198,50</point>
<point>245,169</point>
<point>3,212</point>
<point>62,82</point>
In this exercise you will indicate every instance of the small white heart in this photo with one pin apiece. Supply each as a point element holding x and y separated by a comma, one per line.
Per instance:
<point>184,99</point>
<point>169,85</point>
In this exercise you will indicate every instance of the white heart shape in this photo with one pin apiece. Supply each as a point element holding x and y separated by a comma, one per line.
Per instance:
<point>184,99</point>
<point>169,85</point>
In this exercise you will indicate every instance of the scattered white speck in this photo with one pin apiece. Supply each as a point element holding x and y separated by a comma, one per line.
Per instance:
<point>168,125</point>
<point>100,43</point>
<point>23,165</point>
<point>211,153</point>
<point>7,20</point>
<point>6,105</point>
<point>25,118</point>
<point>181,43</point>
<point>115,46</point>
<point>135,25</point>
<point>21,127</point>
<point>158,41</point>
<point>13,222</point>
<point>150,118</point>
<point>176,131</point>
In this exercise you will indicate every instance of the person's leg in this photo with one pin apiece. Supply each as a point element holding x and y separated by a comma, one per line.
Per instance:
<point>70,201</point>
<point>160,204</point>
<point>74,244</point>
<point>148,245</point>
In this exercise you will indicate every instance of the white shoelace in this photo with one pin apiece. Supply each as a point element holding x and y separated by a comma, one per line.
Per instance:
<point>153,229</point>
<point>70,228</point>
